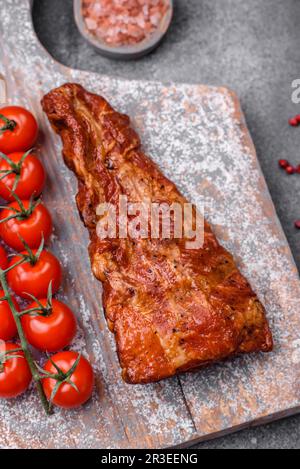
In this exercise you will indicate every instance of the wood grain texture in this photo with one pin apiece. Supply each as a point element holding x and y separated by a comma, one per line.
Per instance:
<point>198,136</point>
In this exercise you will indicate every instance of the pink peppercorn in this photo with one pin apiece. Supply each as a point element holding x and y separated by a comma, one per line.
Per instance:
<point>297,224</point>
<point>293,122</point>
<point>290,170</point>
<point>283,164</point>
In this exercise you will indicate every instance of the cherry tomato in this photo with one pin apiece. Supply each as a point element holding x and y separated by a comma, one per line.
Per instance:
<point>15,374</point>
<point>52,332</point>
<point>22,130</point>
<point>8,328</point>
<point>31,228</point>
<point>35,278</point>
<point>3,259</point>
<point>31,181</point>
<point>82,377</point>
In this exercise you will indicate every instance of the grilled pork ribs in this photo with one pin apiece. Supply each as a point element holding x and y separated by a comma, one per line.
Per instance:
<point>172,309</point>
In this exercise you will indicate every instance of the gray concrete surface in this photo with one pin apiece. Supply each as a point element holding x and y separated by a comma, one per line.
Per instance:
<point>254,48</point>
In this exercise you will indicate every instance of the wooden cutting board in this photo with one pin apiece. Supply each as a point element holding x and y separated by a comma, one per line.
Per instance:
<point>197,134</point>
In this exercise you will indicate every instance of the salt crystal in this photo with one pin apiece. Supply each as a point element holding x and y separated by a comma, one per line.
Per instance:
<point>97,8</point>
<point>140,21</point>
<point>123,22</point>
<point>91,23</point>
<point>155,19</point>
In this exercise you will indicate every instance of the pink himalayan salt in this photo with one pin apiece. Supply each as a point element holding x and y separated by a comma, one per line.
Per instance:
<point>123,22</point>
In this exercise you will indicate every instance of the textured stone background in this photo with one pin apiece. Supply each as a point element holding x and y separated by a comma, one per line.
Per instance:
<point>254,48</point>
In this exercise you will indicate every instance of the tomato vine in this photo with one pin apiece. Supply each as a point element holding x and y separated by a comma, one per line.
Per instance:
<point>24,344</point>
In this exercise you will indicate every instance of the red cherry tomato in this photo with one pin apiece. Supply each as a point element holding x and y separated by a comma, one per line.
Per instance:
<point>32,228</point>
<point>8,328</point>
<point>31,181</point>
<point>15,375</point>
<point>3,259</point>
<point>52,332</point>
<point>22,129</point>
<point>35,278</point>
<point>83,378</point>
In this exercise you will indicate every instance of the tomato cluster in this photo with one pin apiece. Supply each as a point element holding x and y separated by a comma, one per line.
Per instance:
<point>34,274</point>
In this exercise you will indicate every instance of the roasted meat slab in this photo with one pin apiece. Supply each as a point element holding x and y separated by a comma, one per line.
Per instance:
<point>171,308</point>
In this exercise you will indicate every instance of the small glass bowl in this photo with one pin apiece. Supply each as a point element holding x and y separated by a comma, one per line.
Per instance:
<point>124,52</point>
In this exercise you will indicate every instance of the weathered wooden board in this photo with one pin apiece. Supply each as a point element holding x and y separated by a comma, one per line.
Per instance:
<point>198,136</point>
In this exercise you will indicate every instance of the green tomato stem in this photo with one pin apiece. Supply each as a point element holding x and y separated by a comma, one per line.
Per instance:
<point>8,124</point>
<point>24,345</point>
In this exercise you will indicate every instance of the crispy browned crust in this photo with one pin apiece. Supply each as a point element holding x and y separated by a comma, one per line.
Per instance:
<point>172,309</point>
